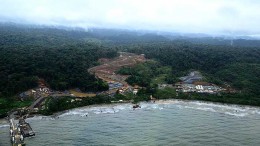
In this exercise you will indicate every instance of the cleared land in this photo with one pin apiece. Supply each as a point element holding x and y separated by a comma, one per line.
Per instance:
<point>81,94</point>
<point>107,71</point>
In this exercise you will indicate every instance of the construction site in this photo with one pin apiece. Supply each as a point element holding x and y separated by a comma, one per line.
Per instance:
<point>107,70</point>
<point>193,83</point>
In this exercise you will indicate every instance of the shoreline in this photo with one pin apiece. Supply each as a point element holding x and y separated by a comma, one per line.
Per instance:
<point>158,101</point>
<point>204,99</point>
<point>211,107</point>
<point>164,110</point>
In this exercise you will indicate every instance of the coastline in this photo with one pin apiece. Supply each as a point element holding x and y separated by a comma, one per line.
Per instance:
<point>158,101</point>
<point>185,99</point>
<point>228,109</point>
<point>117,114</point>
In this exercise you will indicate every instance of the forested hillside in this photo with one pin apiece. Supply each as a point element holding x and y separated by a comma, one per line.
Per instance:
<point>238,66</point>
<point>230,41</point>
<point>60,57</point>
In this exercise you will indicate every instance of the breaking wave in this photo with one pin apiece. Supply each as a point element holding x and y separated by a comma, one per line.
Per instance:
<point>106,109</point>
<point>237,114</point>
<point>38,117</point>
<point>231,110</point>
<point>3,126</point>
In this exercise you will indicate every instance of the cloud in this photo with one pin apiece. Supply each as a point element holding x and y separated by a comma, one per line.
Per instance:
<point>203,16</point>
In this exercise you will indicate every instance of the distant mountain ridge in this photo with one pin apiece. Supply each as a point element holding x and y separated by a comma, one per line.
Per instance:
<point>125,36</point>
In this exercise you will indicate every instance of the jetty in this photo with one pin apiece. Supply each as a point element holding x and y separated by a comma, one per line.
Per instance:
<point>19,129</point>
<point>17,138</point>
<point>26,129</point>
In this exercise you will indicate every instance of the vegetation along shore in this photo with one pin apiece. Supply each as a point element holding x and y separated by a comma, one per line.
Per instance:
<point>47,70</point>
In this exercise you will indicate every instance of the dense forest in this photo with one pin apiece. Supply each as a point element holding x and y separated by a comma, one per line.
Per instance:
<point>61,56</point>
<point>238,66</point>
<point>57,56</point>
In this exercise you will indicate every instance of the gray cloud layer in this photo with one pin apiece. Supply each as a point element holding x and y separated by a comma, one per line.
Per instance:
<point>204,16</point>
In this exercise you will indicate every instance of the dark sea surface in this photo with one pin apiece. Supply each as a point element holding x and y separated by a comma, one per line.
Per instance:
<point>169,122</point>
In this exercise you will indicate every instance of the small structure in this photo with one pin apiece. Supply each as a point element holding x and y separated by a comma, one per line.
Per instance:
<point>120,91</point>
<point>199,87</point>
<point>25,128</point>
<point>136,106</point>
<point>178,86</point>
<point>188,88</point>
<point>135,91</point>
<point>162,86</point>
<point>152,98</point>
<point>76,99</point>
<point>33,92</point>
<point>45,90</point>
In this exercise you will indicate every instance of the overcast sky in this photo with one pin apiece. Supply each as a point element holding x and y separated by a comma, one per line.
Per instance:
<point>194,16</point>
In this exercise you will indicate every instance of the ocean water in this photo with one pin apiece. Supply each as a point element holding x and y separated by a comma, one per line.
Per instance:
<point>166,122</point>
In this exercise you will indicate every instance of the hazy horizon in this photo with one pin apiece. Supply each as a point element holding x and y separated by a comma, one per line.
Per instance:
<point>234,17</point>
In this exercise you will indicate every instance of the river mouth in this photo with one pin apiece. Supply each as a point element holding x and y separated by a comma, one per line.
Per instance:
<point>165,122</point>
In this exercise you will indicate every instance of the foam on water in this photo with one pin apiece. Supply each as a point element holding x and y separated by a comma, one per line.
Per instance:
<point>231,110</point>
<point>37,118</point>
<point>105,109</point>
<point>237,114</point>
<point>3,126</point>
<point>206,109</point>
<point>4,123</point>
<point>73,113</point>
<point>175,122</point>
